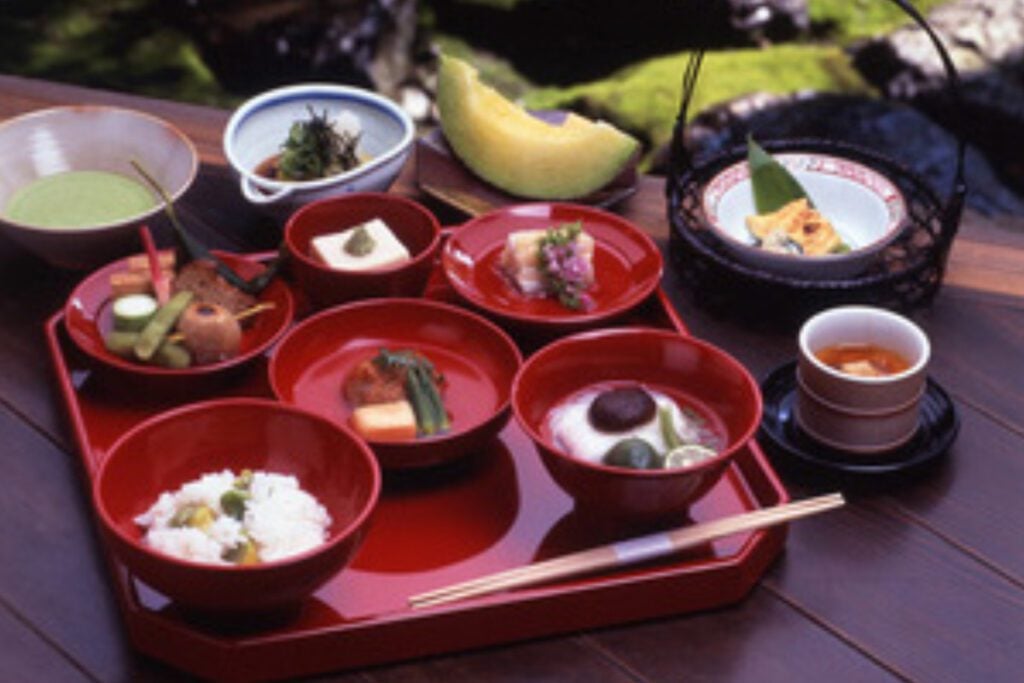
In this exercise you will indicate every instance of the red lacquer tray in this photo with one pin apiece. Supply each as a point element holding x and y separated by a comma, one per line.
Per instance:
<point>497,510</point>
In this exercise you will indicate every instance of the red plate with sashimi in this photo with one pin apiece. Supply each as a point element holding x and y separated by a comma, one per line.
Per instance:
<point>550,266</point>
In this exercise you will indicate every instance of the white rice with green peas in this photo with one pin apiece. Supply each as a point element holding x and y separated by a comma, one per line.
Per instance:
<point>277,517</point>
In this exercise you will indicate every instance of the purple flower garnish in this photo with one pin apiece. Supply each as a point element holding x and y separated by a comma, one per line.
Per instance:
<point>566,272</point>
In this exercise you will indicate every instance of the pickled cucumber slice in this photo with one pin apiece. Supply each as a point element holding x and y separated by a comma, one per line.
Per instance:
<point>133,311</point>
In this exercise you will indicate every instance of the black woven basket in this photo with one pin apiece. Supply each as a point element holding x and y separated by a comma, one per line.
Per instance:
<point>905,275</point>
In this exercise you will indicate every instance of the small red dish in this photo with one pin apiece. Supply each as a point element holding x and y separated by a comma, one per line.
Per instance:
<point>627,266</point>
<point>477,359</point>
<point>184,443</point>
<point>414,226</point>
<point>694,373</point>
<point>88,317</point>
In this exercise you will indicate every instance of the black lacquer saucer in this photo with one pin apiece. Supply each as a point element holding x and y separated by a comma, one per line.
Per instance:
<point>783,439</point>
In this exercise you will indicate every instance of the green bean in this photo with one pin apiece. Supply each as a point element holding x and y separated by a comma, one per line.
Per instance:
<point>434,397</point>
<point>172,355</point>
<point>154,333</point>
<point>421,404</point>
<point>121,343</point>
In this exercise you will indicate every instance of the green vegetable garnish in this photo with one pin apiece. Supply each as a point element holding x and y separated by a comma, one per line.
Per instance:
<point>314,149</point>
<point>566,274</point>
<point>160,325</point>
<point>773,185</point>
<point>360,243</point>
<point>233,501</point>
<point>421,388</point>
<point>668,429</point>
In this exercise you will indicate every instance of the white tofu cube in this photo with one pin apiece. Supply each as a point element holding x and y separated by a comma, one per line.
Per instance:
<point>387,249</point>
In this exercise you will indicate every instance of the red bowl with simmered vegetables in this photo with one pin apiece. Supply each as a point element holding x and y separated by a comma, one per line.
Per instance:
<point>555,399</point>
<point>88,318</point>
<point>312,366</point>
<point>179,446</point>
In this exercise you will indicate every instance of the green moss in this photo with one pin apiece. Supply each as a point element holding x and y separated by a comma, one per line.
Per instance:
<point>115,44</point>
<point>849,19</point>
<point>644,99</point>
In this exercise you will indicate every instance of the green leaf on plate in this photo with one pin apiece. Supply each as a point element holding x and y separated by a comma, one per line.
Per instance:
<point>773,185</point>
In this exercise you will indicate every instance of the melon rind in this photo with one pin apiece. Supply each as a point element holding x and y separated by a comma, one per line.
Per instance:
<point>519,153</point>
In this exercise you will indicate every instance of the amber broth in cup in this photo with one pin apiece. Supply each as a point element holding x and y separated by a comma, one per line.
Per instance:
<point>863,360</point>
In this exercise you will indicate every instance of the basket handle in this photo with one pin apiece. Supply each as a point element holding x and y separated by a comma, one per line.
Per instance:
<point>954,203</point>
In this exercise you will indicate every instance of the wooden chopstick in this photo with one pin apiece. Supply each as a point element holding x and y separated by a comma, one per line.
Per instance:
<point>627,552</point>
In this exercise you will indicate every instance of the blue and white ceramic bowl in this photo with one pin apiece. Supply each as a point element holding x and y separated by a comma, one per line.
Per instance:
<point>257,129</point>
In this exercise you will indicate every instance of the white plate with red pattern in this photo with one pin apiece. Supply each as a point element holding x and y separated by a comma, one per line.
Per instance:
<point>866,208</point>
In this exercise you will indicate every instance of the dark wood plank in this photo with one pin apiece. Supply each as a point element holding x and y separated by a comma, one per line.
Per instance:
<point>752,641</point>
<point>563,659</point>
<point>62,590</point>
<point>912,600</point>
<point>974,346</point>
<point>968,501</point>
<point>26,658</point>
<point>32,292</point>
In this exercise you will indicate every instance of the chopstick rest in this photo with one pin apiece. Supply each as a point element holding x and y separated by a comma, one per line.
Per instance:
<point>627,552</point>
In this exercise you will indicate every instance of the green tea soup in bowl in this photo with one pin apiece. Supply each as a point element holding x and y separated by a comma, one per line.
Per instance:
<point>70,187</point>
<point>76,199</point>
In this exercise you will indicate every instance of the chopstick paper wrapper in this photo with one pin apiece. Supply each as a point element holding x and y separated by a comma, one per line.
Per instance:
<point>627,552</point>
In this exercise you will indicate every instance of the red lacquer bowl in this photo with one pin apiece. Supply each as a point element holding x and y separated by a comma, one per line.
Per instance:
<point>695,374</point>
<point>180,445</point>
<point>477,359</point>
<point>627,266</point>
<point>88,317</point>
<point>413,225</point>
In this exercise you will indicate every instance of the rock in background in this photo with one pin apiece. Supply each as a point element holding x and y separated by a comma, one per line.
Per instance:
<point>254,45</point>
<point>894,129</point>
<point>985,39</point>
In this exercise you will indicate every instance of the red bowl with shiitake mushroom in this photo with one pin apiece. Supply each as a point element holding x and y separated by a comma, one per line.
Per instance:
<point>712,399</point>
<point>89,320</point>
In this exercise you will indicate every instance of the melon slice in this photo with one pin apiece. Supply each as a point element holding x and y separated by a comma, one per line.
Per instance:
<point>519,153</point>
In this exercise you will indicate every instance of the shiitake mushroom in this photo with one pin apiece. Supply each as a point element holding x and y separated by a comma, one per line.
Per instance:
<point>621,408</point>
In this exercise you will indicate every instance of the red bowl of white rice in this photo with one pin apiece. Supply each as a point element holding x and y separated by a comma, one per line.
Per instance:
<point>236,505</point>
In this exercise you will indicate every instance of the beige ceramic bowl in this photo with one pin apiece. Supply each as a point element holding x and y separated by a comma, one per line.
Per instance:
<point>854,413</point>
<point>94,138</point>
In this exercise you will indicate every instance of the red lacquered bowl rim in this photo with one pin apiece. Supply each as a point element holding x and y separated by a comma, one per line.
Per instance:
<point>389,305</point>
<point>91,343</point>
<point>335,538</point>
<point>638,291</point>
<point>303,257</point>
<point>636,333</point>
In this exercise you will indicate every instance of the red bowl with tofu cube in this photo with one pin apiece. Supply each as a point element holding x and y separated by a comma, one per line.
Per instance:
<point>403,238</point>
<point>328,365</point>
